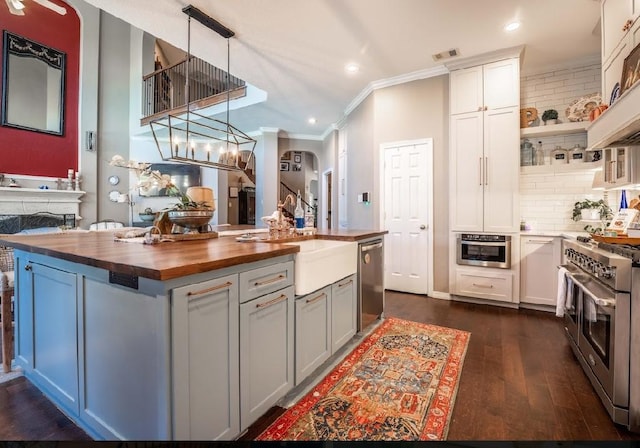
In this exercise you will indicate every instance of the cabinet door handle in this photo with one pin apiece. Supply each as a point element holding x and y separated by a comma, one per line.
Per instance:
<point>485,108</point>
<point>480,169</point>
<point>479,108</point>
<point>28,267</point>
<point>486,170</point>
<point>271,280</point>
<point>482,286</point>
<point>315,299</point>
<point>272,302</point>
<point>213,288</point>
<point>341,285</point>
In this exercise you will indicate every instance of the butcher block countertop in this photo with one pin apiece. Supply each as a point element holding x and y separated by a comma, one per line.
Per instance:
<point>163,261</point>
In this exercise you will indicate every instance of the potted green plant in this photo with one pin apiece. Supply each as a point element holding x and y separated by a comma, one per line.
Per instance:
<point>588,210</point>
<point>550,116</point>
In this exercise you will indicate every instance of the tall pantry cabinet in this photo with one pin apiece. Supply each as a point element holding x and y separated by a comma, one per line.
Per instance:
<point>484,147</point>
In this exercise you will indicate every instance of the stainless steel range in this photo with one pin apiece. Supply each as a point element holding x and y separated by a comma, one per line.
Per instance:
<point>602,320</point>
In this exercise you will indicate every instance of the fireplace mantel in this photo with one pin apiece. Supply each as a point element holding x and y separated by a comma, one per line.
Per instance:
<point>24,201</point>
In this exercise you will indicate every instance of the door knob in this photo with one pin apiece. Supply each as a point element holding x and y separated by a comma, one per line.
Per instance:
<point>27,267</point>
<point>422,227</point>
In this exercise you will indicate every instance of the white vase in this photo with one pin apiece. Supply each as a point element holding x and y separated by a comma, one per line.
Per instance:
<point>591,214</point>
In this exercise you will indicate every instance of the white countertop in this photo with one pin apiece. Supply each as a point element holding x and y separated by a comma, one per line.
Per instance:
<point>554,233</point>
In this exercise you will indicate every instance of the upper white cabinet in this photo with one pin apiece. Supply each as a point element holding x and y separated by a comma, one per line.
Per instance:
<point>485,87</point>
<point>618,16</point>
<point>484,156</point>
<point>621,166</point>
<point>620,34</point>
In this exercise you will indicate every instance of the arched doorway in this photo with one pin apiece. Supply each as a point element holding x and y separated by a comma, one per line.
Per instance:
<point>299,172</point>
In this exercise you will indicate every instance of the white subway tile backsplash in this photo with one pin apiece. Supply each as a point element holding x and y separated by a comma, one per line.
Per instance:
<point>547,198</point>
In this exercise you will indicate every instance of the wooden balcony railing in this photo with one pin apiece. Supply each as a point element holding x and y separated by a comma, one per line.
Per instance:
<point>165,90</point>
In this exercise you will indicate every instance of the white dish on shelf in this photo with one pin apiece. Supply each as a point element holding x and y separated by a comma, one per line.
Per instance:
<point>579,109</point>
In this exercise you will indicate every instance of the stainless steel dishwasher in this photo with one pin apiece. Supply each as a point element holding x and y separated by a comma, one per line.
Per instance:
<point>370,285</point>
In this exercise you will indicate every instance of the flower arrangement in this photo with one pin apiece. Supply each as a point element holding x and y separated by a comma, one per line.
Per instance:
<point>148,178</point>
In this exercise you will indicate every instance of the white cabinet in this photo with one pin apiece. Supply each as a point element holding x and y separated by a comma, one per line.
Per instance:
<point>326,320</point>
<point>484,171</point>
<point>344,318</point>
<point>540,257</point>
<point>313,331</point>
<point>618,16</point>
<point>485,87</point>
<point>620,32</point>
<point>266,342</point>
<point>205,327</point>
<point>47,301</point>
<point>485,283</point>
<point>484,142</point>
<point>621,166</point>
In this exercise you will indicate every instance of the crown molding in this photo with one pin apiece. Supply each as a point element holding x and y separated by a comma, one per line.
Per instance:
<point>390,82</point>
<point>471,61</point>
<point>267,129</point>
<point>302,137</point>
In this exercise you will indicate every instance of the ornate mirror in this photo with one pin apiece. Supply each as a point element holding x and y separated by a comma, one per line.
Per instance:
<point>32,85</point>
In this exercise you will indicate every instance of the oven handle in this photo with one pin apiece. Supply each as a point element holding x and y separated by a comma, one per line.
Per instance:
<point>606,303</point>
<point>483,243</point>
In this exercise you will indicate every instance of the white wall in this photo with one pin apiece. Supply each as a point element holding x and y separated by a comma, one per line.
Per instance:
<point>546,199</point>
<point>547,195</point>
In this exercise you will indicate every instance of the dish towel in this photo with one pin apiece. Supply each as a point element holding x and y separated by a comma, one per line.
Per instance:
<point>562,291</point>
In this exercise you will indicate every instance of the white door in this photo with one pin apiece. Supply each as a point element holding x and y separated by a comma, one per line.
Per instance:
<point>407,169</point>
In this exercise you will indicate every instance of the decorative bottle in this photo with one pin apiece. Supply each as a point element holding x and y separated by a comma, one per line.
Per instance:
<point>299,213</point>
<point>539,154</point>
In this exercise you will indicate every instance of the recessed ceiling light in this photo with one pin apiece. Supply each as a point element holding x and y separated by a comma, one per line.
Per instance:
<point>312,120</point>
<point>512,26</point>
<point>352,67</point>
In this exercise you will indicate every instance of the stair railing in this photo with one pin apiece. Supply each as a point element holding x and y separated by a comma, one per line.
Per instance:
<point>165,89</point>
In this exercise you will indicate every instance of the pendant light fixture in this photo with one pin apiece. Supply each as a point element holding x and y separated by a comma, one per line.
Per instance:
<point>195,139</point>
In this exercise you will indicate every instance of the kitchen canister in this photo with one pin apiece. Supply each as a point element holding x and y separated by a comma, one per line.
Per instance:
<point>577,154</point>
<point>559,156</point>
<point>526,153</point>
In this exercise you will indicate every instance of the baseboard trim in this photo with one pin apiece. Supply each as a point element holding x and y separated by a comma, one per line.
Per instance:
<point>535,306</point>
<point>440,295</point>
<point>484,302</point>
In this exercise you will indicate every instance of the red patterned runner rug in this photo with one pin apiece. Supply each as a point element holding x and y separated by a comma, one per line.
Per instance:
<point>400,383</point>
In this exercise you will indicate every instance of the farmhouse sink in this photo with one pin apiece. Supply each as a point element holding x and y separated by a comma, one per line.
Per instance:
<point>323,262</point>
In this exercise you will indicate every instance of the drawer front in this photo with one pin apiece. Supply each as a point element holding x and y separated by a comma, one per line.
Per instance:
<point>489,286</point>
<point>265,280</point>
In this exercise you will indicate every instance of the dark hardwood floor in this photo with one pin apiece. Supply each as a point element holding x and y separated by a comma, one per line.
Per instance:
<point>520,381</point>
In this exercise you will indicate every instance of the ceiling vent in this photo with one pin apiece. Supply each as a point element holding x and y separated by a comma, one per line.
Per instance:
<point>446,54</point>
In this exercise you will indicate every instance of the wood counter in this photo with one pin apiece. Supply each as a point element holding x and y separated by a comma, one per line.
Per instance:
<point>163,261</point>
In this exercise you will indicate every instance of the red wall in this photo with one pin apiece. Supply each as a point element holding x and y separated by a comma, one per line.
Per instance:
<point>34,153</point>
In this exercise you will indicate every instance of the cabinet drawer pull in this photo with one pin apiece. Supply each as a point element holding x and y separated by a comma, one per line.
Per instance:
<point>271,280</point>
<point>482,286</point>
<point>272,302</point>
<point>340,285</point>
<point>315,299</point>
<point>540,241</point>
<point>213,288</point>
<point>28,267</point>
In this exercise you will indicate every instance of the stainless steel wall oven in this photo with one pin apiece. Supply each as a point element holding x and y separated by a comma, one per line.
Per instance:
<point>480,249</point>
